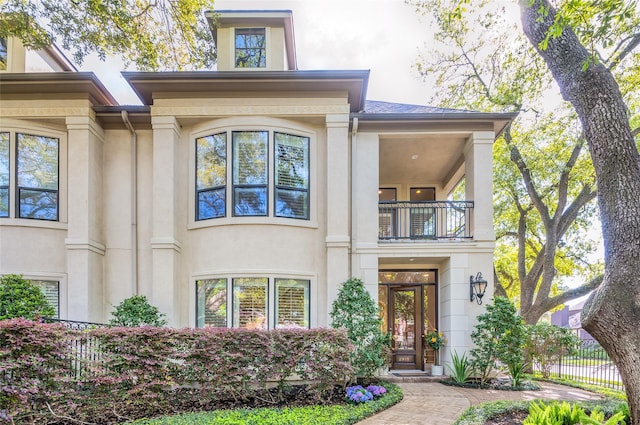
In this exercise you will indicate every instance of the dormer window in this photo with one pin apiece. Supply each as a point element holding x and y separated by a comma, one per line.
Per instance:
<point>251,48</point>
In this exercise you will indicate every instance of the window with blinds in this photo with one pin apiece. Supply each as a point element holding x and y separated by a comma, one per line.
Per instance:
<point>250,303</point>
<point>211,303</point>
<point>211,176</point>
<point>51,291</point>
<point>250,173</point>
<point>291,176</point>
<point>292,303</point>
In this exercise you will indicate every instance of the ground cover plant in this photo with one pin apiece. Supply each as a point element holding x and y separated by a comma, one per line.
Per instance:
<point>55,375</point>
<point>515,412</point>
<point>340,412</point>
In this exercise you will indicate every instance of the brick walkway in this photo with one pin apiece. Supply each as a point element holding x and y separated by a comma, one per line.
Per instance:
<point>436,404</point>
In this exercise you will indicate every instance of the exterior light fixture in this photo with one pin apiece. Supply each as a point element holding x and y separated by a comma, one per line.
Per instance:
<point>477,286</point>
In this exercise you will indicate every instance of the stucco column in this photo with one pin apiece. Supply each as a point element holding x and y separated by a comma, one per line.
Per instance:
<point>479,183</point>
<point>84,243</point>
<point>337,240</point>
<point>365,184</point>
<point>164,243</point>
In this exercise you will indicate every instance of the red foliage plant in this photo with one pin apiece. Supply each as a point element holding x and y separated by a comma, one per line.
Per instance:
<point>49,373</point>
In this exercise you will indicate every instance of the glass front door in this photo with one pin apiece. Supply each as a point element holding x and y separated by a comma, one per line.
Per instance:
<point>407,301</point>
<point>406,330</point>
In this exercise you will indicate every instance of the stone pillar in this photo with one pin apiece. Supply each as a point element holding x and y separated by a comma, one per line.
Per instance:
<point>479,183</point>
<point>338,181</point>
<point>84,243</point>
<point>165,245</point>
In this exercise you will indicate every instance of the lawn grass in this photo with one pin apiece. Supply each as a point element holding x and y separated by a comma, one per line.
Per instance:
<point>309,415</point>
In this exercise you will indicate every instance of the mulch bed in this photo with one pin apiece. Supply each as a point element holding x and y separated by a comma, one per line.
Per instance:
<point>508,418</point>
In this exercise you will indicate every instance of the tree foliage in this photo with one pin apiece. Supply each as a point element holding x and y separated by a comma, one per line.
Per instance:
<point>612,313</point>
<point>136,311</point>
<point>355,311</point>
<point>153,34</point>
<point>544,179</point>
<point>19,298</point>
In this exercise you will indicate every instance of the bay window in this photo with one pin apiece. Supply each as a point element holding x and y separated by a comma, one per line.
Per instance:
<point>255,182</point>
<point>253,299</point>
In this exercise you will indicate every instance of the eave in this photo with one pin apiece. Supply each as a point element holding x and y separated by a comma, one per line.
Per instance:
<point>62,85</point>
<point>496,121</point>
<point>148,85</point>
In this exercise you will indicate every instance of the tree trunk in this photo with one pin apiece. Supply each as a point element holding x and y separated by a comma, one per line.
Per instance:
<point>612,314</point>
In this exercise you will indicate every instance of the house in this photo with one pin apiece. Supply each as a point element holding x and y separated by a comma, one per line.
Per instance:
<point>243,197</point>
<point>569,317</point>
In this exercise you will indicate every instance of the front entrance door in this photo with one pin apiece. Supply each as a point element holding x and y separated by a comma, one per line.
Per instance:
<point>406,326</point>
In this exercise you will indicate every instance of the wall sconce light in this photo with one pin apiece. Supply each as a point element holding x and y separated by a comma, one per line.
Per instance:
<point>477,287</point>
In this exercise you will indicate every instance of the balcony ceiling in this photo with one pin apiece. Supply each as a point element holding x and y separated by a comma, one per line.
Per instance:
<point>426,159</point>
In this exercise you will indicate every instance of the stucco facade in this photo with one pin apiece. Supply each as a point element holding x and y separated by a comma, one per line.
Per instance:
<point>128,196</point>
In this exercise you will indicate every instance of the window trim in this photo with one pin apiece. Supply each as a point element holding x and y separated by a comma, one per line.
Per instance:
<point>266,186</point>
<point>270,125</point>
<point>276,310</point>
<point>9,181</point>
<point>271,277</point>
<point>282,187</point>
<point>13,126</point>
<point>213,188</point>
<point>235,49</point>
<point>18,188</point>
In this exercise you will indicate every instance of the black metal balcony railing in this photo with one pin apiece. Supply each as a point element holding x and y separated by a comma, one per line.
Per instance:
<point>425,220</point>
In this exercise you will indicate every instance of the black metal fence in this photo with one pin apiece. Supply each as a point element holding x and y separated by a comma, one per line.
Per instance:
<point>591,365</point>
<point>85,354</point>
<point>424,220</point>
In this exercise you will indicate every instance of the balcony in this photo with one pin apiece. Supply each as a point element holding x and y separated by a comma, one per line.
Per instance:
<point>425,220</point>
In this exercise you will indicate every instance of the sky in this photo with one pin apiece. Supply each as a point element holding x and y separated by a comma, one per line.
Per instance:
<point>383,36</point>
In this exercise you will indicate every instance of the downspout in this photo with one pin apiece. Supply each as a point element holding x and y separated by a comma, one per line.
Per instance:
<point>354,206</point>
<point>134,202</point>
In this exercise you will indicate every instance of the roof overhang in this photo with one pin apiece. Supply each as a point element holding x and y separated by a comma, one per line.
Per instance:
<point>148,85</point>
<point>497,121</point>
<point>256,18</point>
<point>63,85</point>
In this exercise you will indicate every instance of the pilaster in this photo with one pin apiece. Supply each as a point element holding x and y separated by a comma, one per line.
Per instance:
<point>165,245</point>
<point>85,242</point>
<point>338,183</point>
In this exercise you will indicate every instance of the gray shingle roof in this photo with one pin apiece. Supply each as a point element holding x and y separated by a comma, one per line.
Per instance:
<point>378,107</point>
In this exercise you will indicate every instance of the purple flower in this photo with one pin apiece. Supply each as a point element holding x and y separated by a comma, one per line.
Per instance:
<point>358,394</point>
<point>377,390</point>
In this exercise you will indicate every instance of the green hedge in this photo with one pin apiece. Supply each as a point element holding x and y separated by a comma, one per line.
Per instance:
<point>49,374</point>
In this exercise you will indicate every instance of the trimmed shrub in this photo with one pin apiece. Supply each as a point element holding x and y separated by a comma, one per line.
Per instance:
<point>21,298</point>
<point>49,373</point>
<point>136,311</point>
<point>356,312</point>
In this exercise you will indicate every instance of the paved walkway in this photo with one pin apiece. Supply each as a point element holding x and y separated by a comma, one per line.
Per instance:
<point>438,404</point>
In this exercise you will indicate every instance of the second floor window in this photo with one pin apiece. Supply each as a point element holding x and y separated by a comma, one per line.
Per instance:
<point>36,176</point>
<point>251,175</point>
<point>251,48</point>
<point>3,54</point>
